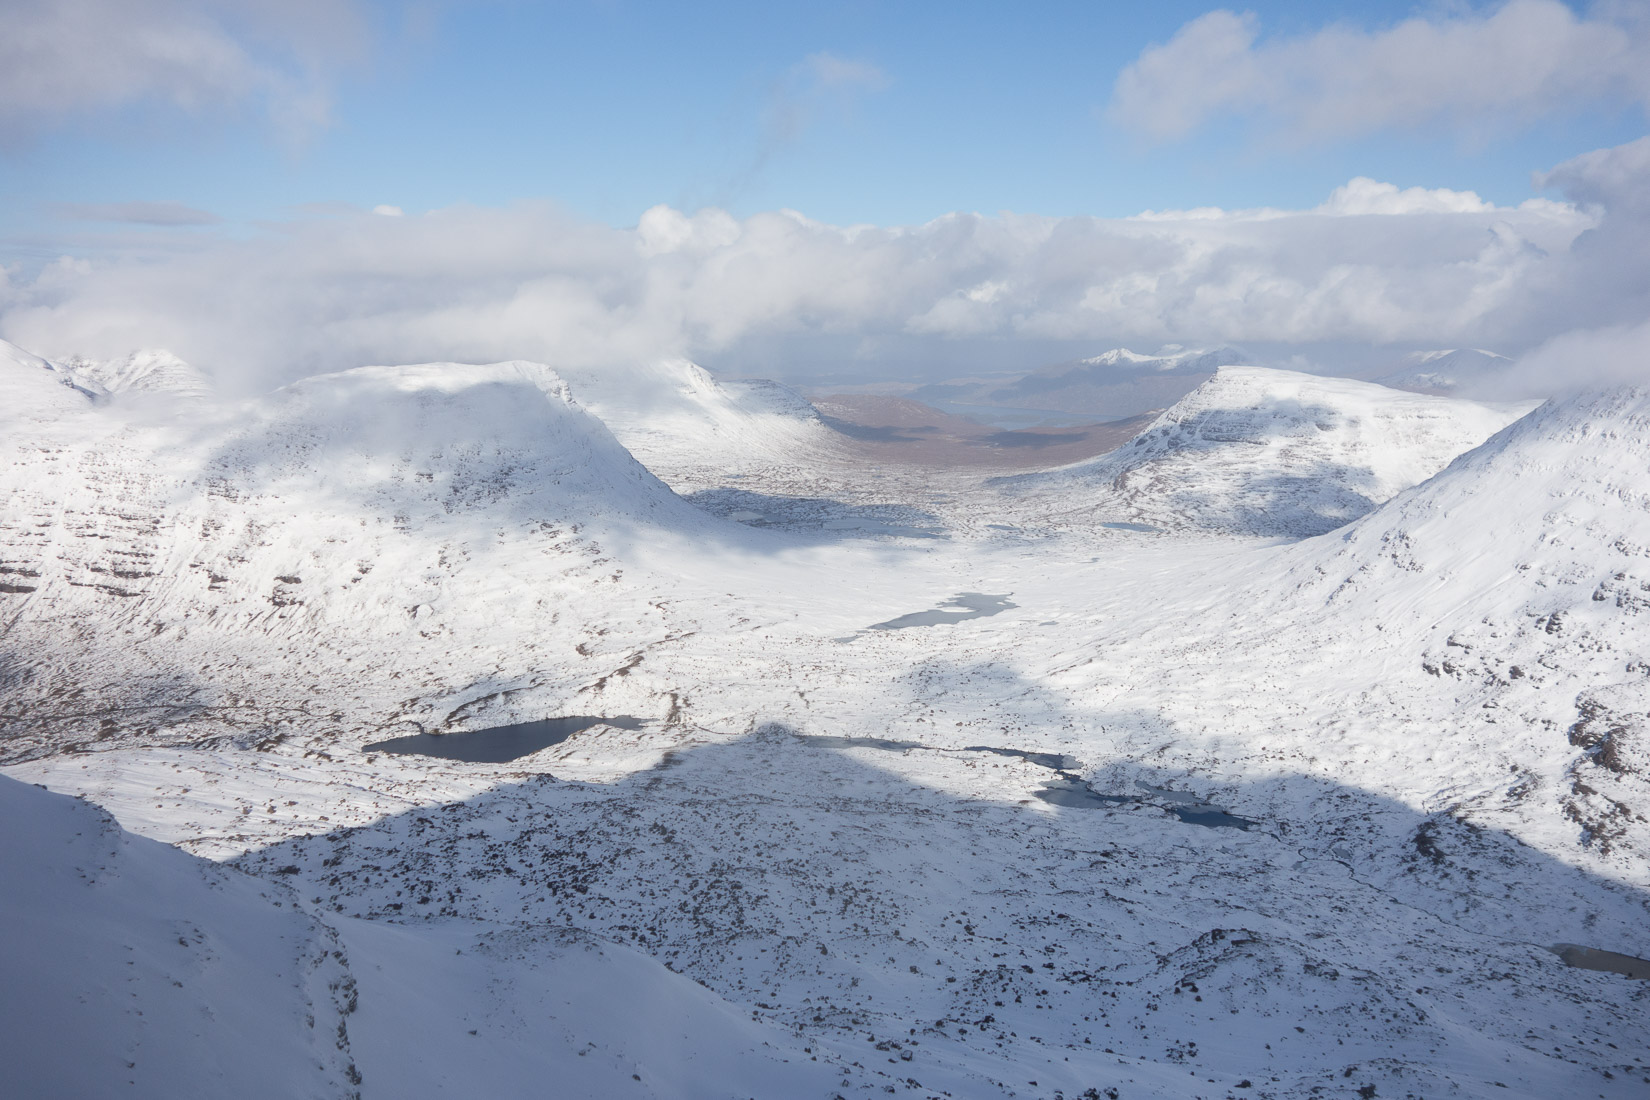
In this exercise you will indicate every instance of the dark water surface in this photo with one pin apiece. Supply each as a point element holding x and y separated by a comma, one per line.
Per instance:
<point>1591,958</point>
<point>1067,789</point>
<point>970,605</point>
<point>1072,792</point>
<point>500,744</point>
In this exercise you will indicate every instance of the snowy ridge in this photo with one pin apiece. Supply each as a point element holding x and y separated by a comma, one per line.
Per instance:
<point>1474,647</point>
<point>147,374</point>
<point>692,429</point>
<point>1258,451</point>
<point>155,972</point>
<point>34,390</point>
<point>1194,361</point>
<point>445,438</point>
<point>378,505</point>
<point>1519,580</point>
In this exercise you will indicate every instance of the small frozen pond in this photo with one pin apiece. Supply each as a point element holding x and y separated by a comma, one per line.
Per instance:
<point>501,744</point>
<point>1051,760</point>
<point>1119,525</point>
<point>970,605</point>
<point>882,743</point>
<point>1069,791</point>
<point>1610,962</point>
<point>878,527</point>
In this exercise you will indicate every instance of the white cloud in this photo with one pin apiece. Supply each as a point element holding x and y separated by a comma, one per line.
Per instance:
<point>1438,267</point>
<point>1586,359</point>
<point>1518,61</point>
<point>1603,278</point>
<point>1613,178</point>
<point>65,58</point>
<point>388,211</point>
<point>1366,196</point>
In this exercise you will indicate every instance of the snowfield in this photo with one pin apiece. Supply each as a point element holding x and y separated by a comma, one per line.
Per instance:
<point>981,858</point>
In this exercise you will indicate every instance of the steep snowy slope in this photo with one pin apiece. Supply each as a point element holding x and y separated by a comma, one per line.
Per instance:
<point>135,968</point>
<point>693,430</point>
<point>1477,648</point>
<point>1268,452</point>
<point>1516,586</point>
<point>131,968</point>
<point>34,391</point>
<point>147,557</point>
<point>146,374</point>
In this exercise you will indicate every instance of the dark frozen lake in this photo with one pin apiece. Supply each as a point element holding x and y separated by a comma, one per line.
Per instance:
<point>969,605</point>
<point>1610,962</point>
<point>500,744</point>
<point>1071,792</point>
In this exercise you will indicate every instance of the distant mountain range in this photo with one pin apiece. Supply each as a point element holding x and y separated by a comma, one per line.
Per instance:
<point>1116,383</point>
<point>1457,371</point>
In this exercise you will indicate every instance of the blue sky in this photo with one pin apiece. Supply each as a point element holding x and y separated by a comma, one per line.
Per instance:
<point>593,183</point>
<point>611,107</point>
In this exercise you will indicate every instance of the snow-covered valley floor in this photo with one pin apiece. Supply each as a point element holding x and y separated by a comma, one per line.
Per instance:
<point>814,870</point>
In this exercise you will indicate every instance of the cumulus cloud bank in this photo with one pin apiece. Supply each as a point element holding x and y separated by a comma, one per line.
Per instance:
<point>1373,264</point>
<point>1521,60</point>
<point>1585,359</point>
<point>63,58</point>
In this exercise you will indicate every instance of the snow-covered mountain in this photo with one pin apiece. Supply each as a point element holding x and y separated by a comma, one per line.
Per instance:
<point>693,429</point>
<point>147,374</point>
<point>383,505</point>
<point>1157,809</point>
<point>1267,452</point>
<point>36,391</point>
<point>1464,371</point>
<point>1515,587</point>
<point>1167,361</point>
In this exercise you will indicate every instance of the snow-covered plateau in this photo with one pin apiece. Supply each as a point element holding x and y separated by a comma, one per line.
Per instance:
<point>1279,755</point>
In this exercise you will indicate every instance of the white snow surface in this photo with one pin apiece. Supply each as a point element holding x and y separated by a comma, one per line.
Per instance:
<point>139,970</point>
<point>824,863</point>
<point>675,415</point>
<point>35,390</point>
<point>149,373</point>
<point>134,969</point>
<point>1259,451</point>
